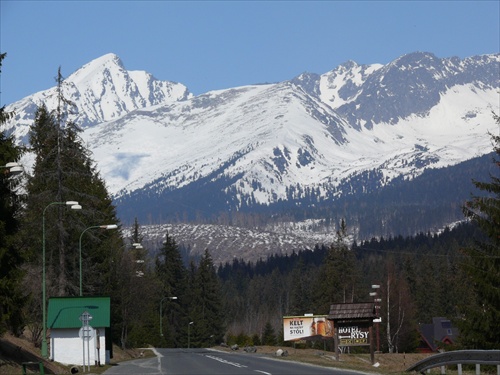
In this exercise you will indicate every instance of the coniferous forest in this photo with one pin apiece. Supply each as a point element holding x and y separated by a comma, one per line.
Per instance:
<point>167,300</point>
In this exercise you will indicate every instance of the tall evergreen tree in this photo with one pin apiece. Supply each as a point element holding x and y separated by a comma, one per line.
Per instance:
<point>301,286</point>
<point>338,278</point>
<point>138,293</point>
<point>172,278</point>
<point>11,259</point>
<point>64,171</point>
<point>480,323</point>
<point>4,115</point>
<point>207,307</point>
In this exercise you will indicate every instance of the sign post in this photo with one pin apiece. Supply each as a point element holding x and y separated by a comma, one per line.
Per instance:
<point>353,324</point>
<point>86,334</point>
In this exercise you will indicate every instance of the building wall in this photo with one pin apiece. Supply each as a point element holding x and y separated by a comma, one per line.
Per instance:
<point>68,348</point>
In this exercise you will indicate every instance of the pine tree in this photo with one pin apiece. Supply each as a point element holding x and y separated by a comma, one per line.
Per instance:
<point>206,306</point>
<point>268,336</point>
<point>137,323</point>
<point>339,278</point>
<point>11,259</point>
<point>172,277</point>
<point>479,326</point>
<point>64,171</point>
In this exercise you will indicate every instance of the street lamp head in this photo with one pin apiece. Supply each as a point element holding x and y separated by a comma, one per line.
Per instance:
<point>375,286</point>
<point>76,207</point>
<point>13,168</point>
<point>373,294</point>
<point>16,170</point>
<point>71,203</point>
<point>110,226</point>
<point>191,323</point>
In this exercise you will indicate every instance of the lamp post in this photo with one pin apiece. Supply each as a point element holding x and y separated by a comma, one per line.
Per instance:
<point>74,206</point>
<point>161,320</point>
<point>107,227</point>
<point>138,246</point>
<point>377,320</point>
<point>189,334</point>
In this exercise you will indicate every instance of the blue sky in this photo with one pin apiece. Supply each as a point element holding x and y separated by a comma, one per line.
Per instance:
<point>209,45</point>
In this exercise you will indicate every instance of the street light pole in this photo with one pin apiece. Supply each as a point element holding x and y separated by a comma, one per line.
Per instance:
<point>107,227</point>
<point>74,206</point>
<point>189,334</point>
<point>161,320</point>
<point>377,313</point>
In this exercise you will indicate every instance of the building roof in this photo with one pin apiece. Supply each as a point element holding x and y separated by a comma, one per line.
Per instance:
<point>66,312</point>
<point>440,331</point>
<point>365,310</point>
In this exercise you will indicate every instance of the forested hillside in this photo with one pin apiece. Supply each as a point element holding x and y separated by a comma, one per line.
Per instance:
<point>403,207</point>
<point>422,273</point>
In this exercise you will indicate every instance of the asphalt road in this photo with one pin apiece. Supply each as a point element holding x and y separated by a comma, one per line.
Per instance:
<point>212,362</point>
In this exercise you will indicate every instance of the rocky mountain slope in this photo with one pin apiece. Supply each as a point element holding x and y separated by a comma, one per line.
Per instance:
<point>277,150</point>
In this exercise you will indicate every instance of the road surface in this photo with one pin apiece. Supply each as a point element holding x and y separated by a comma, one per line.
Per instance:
<point>213,362</point>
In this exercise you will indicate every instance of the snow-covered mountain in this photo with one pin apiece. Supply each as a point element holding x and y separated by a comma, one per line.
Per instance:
<point>168,155</point>
<point>102,90</point>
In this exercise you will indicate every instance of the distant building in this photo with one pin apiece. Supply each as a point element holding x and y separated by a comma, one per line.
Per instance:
<point>70,343</point>
<point>433,336</point>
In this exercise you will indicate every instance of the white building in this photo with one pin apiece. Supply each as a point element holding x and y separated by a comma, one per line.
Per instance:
<point>79,330</point>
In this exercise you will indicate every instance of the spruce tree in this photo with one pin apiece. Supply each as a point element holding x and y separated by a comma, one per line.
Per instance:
<point>301,292</point>
<point>171,275</point>
<point>64,171</point>
<point>206,305</point>
<point>268,336</point>
<point>136,297</point>
<point>480,322</point>
<point>338,278</point>
<point>11,259</point>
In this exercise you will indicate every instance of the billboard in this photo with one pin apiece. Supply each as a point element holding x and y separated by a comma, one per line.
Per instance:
<point>307,327</point>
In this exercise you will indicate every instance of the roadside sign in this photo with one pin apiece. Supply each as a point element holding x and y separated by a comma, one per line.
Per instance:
<point>86,333</point>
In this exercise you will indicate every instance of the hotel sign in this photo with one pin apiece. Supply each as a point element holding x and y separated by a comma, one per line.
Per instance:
<point>353,335</point>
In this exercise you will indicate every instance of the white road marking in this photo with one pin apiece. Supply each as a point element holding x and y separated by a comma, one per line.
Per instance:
<point>225,361</point>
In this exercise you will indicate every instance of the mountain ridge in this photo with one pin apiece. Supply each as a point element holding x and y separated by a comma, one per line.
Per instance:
<point>296,144</point>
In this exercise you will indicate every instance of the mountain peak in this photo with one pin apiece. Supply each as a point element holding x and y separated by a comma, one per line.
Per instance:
<point>107,61</point>
<point>102,90</point>
<point>416,58</point>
